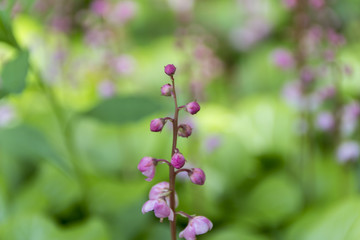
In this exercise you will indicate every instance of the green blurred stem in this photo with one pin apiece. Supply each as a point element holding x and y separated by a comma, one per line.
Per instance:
<point>172,174</point>
<point>65,129</point>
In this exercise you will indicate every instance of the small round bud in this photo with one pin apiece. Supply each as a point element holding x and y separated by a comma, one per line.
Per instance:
<point>178,160</point>
<point>166,90</point>
<point>197,176</point>
<point>192,107</point>
<point>184,130</point>
<point>157,125</point>
<point>170,69</point>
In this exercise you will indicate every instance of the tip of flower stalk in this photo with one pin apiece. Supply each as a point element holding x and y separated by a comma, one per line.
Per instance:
<point>197,176</point>
<point>170,69</point>
<point>192,107</point>
<point>157,125</point>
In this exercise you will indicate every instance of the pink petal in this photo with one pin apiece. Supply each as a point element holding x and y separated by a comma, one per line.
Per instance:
<point>148,206</point>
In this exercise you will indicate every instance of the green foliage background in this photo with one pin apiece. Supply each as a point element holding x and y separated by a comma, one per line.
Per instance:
<point>68,162</point>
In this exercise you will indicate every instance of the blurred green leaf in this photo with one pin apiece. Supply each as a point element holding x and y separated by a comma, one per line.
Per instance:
<point>92,229</point>
<point>28,227</point>
<point>234,233</point>
<point>339,221</point>
<point>26,141</point>
<point>6,32</point>
<point>121,110</point>
<point>273,200</point>
<point>14,73</point>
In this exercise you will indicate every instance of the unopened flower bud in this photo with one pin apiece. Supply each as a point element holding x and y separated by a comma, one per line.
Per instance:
<point>197,176</point>
<point>166,90</point>
<point>178,160</point>
<point>184,130</point>
<point>157,125</point>
<point>147,167</point>
<point>170,69</point>
<point>192,107</point>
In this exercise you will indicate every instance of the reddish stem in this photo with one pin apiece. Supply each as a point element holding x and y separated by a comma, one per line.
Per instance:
<point>183,170</point>
<point>163,161</point>
<point>171,168</point>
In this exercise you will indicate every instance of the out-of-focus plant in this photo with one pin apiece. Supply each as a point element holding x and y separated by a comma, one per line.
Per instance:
<point>163,198</point>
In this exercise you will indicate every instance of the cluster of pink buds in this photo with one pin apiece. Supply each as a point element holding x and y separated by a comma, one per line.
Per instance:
<point>163,199</point>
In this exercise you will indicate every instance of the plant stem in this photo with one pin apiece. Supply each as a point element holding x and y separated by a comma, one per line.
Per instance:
<point>171,168</point>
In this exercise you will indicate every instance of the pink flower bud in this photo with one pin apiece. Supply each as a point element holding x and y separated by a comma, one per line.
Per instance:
<point>160,208</point>
<point>157,125</point>
<point>170,69</point>
<point>197,176</point>
<point>147,167</point>
<point>192,107</point>
<point>178,160</point>
<point>184,130</point>
<point>196,226</point>
<point>166,90</point>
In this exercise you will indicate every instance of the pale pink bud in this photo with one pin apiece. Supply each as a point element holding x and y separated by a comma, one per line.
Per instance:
<point>197,176</point>
<point>160,208</point>
<point>147,166</point>
<point>196,226</point>
<point>178,160</point>
<point>184,130</point>
<point>166,90</point>
<point>192,107</point>
<point>170,69</point>
<point>157,125</point>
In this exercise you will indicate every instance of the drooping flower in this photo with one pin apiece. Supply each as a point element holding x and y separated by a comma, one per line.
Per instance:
<point>161,190</point>
<point>197,176</point>
<point>147,166</point>
<point>157,125</point>
<point>192,107</point>
<point>178,160</point>
<point>196,226</point>
<point>160,208</point>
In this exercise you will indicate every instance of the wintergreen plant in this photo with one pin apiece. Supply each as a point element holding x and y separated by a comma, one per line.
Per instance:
<point>163,199</point>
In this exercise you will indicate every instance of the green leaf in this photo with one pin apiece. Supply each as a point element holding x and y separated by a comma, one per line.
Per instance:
<point>273,201</point>
<point>26,141</point>
<point>339,221</point>
<point>14,73</point>
<point>6,33</point>
<point>121,110</point>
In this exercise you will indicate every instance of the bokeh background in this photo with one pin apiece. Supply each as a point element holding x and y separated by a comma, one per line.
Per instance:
<point>277,135</point>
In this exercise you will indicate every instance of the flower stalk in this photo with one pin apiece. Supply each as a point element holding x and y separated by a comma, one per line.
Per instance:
<point>163,199</point>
